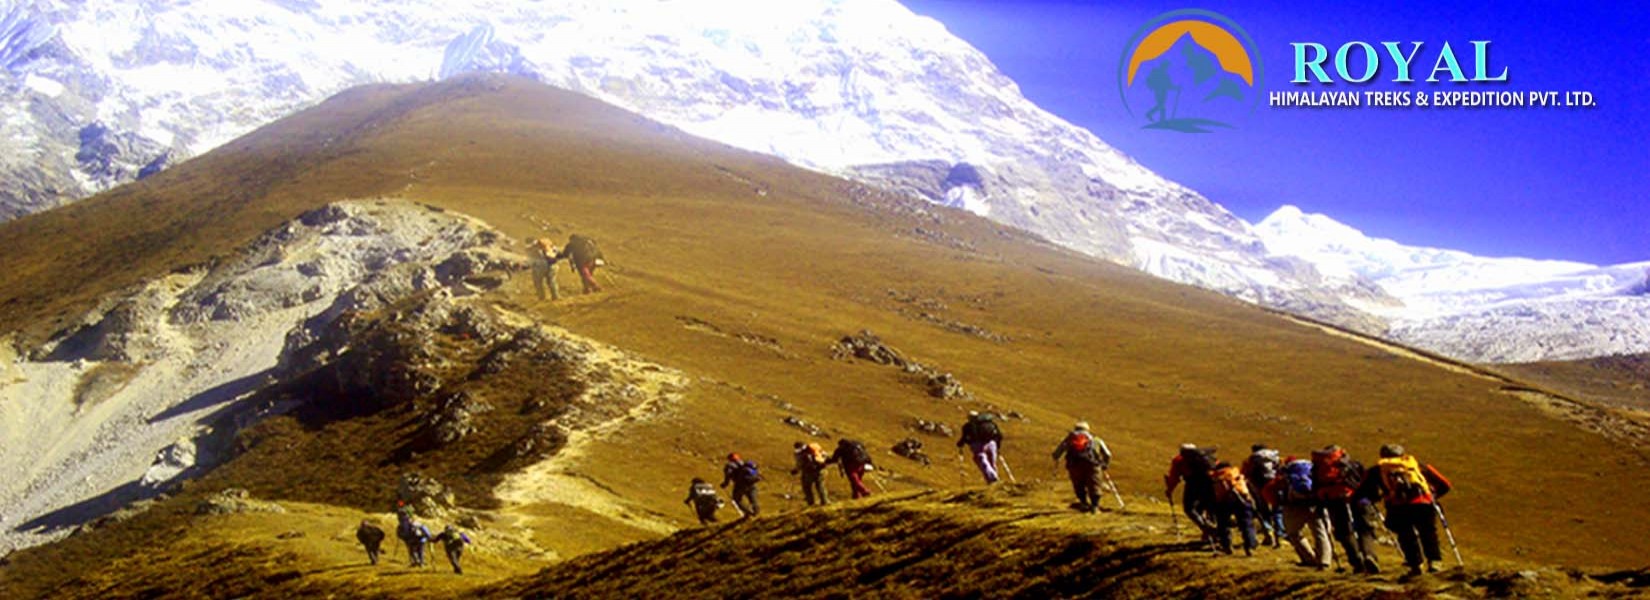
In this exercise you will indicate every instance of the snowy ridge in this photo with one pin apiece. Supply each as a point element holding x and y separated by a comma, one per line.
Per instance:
<point>828,84</point>
<point>1486,309</point>
<point>100,92</point>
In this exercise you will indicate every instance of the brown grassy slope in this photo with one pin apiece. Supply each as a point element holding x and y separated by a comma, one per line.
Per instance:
<point>1622,380</point>
<point>1149,362</point>
<point>983,545</point>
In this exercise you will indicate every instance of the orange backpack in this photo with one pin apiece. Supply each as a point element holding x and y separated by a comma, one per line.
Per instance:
<point>1230,484</point>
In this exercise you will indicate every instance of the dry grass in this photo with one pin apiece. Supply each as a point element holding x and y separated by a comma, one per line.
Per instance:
<point>1149,363</point>
<point>1622,381</point>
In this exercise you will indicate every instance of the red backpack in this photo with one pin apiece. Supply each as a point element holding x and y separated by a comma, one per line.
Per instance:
<point>1335,475</point>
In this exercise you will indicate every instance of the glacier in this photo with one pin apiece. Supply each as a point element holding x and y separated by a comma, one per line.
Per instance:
<point>1482,308</point>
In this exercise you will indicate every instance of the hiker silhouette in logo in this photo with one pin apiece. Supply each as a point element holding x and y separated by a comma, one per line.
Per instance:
<point>854,460</point>
<point>1290,494</point>
<point>453,542</point>
<point>1195,466</point>
<point>542,257</point>
<point>414,534</point>
<point>1411,490</point>
<point>1160,84</point>
<point>371,538</point>
<point>583,256</point>
<point>1260,469</point>
<point>1086,455</point>
<point>810,463</point>
<point>1336,478</point>
<point>984,440</point>
<point>702,497</point>
<point>1234,505</point>
<point>743,475</point>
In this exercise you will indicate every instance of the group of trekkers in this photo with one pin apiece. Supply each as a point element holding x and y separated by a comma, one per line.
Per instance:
<point>1327,496</point>
<point>809,463</point>
<point>581,254</point>
<point>416,537</point>
<point>1306,501</point>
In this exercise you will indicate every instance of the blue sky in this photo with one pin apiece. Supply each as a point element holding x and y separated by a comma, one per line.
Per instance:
<point>1544,183</point>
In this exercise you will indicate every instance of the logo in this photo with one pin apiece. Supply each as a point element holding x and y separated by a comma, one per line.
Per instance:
<point>1194,70</point>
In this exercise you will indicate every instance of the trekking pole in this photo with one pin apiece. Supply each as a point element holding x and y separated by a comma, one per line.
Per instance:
<point>877,480</point>
<point>1449,534</point>
<point>1114,491</point>
<point>1006,469</point>
<point>1173,518</point>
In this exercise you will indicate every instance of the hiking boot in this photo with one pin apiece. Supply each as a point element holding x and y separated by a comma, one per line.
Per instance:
<point>1414,571</point>
<point>1371,568</point>
<point>1432,568</point>
<point>1248,552</point>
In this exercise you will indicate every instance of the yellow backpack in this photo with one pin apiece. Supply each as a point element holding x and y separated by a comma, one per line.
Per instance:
<point>1405,483</point>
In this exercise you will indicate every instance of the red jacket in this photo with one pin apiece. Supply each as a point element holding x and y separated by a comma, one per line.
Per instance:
<point>1374,486</point>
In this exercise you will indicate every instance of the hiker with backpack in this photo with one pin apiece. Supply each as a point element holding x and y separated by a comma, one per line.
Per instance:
<point>413,534</point>
<point>702,497</point>
<point>1234,505</point>
<point>1290,494</point>
<point>453,542</point>
<point>1260,469</point>
<point>854,460</point>
<point>1195,466</point>
<point>810,463</point>
<point>542,257</point>
<point>371,538</point>
<point>1411,490</point>
<point>743,474</point>
<point>583,257</point>
<point>984,439</point>
<point>1336,477</point>
<point>1086,456</point>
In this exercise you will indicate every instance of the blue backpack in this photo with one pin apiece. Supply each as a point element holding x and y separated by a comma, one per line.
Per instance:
<point>747,472</point>
<point>1299,473</point>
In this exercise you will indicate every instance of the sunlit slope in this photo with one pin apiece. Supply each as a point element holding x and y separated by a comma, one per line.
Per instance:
<point>741,271</point>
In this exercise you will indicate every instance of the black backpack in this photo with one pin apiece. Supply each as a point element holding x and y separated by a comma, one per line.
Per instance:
<point>856,453</point>
<point>1200,463</point>
<point>986,430</point>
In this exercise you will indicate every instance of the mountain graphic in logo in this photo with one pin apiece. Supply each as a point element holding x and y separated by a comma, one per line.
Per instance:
<point>1193,70</point>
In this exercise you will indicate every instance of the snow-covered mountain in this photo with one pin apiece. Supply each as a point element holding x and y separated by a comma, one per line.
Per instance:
<point>100,92</point>
<point>1487,309</point>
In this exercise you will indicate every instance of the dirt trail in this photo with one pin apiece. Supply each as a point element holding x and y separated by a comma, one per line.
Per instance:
<point>623,390</point>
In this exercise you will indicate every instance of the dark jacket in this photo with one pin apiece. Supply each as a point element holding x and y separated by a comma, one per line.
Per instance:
<point>972,434</point>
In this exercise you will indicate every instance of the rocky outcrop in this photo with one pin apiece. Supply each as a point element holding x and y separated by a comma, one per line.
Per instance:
<point>234,501</point>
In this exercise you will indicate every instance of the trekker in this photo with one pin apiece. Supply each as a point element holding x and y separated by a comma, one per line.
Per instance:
<point>1335,479</point>
<point>854,460</point>
<point>984,439</point>
<point>1260,469</point>
<point>1086,455</point>
<point>1195,466</point>
<point>583,257</point>
<point>702,497</point>
<point>371,538</point>
<point>1233,502</point>
<point>810,463</point>
<point>743,475</point>
<point>542,257</point>
<point>1291,495</point>
<point>453,542</point>
<point>1410,489</point>
<point>414,534</point>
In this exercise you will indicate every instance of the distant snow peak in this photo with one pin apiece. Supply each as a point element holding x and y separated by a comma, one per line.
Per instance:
<point>1473,307</point>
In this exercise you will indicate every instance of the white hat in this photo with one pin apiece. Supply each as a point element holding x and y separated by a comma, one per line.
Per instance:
<point>1082,425</point>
